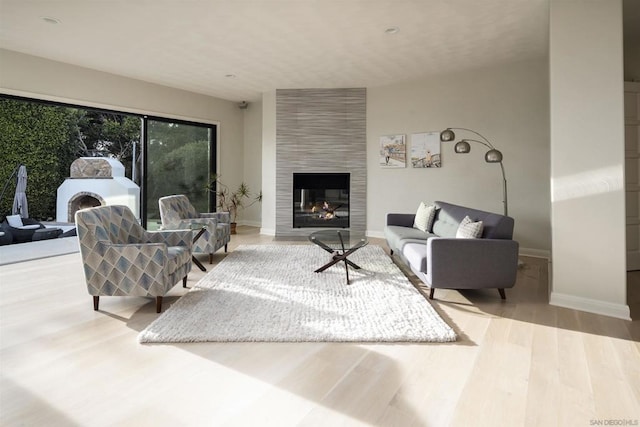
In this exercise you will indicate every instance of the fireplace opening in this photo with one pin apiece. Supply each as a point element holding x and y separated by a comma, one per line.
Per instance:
<point>321,200</point>
<point>81,201</point>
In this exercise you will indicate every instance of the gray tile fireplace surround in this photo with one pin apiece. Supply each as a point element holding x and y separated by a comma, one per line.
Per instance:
<point>320,131</point>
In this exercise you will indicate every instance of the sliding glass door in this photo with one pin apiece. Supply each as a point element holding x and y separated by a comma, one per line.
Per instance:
<point>179,158</point>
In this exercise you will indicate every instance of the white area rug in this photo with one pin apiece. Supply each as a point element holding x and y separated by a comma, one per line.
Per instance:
<point>271,293</point>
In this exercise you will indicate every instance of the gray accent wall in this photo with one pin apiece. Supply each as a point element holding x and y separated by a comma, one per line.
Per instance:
<point>320,131</point>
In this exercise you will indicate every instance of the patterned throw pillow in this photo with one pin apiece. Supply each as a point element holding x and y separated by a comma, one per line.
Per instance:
<point>424,217</point>
<point>469,229</point>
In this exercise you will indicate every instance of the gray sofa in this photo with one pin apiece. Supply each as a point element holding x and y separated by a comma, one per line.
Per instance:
<point>441,260</point>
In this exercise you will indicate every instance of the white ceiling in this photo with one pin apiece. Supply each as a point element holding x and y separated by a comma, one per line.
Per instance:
<point>276,44</point>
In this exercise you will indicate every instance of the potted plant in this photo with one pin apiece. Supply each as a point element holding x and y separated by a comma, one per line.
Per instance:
<point>232,201</point>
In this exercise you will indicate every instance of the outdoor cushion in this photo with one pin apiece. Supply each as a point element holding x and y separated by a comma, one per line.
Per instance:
<point>15,221</point>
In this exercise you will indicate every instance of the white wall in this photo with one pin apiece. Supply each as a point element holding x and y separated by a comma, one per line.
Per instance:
<point>253,161</point>
<point>508,104</point>
<point>31,76</point>
<point>587,156</point>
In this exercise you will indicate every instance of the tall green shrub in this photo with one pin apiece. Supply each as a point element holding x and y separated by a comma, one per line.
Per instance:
<point>180,171</point>
<point>44,138</point>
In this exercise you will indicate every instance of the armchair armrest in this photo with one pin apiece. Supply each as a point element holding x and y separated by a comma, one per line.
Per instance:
<point>401,219</point>
<point>220,216</point>
<point>187,223</point>
<point>183,237</point>
<point>471,263</point>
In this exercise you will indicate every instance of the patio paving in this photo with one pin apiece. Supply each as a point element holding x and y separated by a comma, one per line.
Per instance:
<point>19,252</point>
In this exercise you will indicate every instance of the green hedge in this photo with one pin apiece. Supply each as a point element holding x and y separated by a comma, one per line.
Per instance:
<point>44,139</point>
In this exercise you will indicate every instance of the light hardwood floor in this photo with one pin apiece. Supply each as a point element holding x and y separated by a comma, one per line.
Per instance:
<point>517,363</point>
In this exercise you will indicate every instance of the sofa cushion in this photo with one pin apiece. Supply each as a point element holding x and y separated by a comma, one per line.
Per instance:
<point>468,229</point>
<point>396,235</point>
<point>416,255</point>
<point>424,217</point>
<point>449,216</point>
<point>446,224</point>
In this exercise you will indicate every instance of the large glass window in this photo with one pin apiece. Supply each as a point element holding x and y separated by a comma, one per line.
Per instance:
<point>180,157</point>
<point>162,156</point>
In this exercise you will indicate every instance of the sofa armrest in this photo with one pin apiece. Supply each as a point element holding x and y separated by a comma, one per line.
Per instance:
<point>471,263</point>
<point>401,219</point>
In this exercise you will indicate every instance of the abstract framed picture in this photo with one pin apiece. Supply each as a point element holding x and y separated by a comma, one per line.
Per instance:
<point>393,151</point>
<point>425,150</point>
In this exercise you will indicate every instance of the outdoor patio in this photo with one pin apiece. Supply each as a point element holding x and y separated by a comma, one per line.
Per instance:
<point>18,252</point>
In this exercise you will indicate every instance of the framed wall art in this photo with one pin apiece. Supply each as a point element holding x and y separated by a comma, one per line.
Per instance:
<point>393,151</point>
<point>425,150</point>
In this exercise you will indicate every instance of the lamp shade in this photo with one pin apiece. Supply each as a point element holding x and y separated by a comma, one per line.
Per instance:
<point>462,147</point>
<point>493,156</point>
<point>447,135</point>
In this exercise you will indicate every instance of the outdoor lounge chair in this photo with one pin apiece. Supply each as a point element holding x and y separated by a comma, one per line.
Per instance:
<point>22,229</point>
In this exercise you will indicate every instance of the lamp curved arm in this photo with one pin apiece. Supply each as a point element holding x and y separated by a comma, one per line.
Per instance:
<point>476,133</point>
<point>486,144</point>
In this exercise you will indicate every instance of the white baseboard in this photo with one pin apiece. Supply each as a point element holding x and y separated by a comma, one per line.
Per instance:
<point>267,231</point>
<point>250,223</point>
<point>537,253</point>
<point>620,311</point>
<point>374,234</point>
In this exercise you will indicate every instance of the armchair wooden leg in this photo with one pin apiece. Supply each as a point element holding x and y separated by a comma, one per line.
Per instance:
<point>431,291</point>
<point>225,248</point>
<point>210,258</point>
<point>502,294</point>
<point>158,304</point>
<point>390,251</point>
<point>96,301</point>
<point>184,282</point>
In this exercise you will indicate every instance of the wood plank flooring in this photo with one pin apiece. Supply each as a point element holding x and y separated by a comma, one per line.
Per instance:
<point>520,362</point>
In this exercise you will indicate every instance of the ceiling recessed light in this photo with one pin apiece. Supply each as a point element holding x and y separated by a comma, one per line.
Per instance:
<point>392,30</point>
<point>50,20</point>
<point>230,76</point>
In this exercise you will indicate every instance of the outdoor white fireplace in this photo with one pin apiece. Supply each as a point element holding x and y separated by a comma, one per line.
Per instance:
<point>95,181</point>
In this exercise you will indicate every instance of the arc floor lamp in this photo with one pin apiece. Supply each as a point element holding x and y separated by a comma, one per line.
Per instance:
<point>491,156</point>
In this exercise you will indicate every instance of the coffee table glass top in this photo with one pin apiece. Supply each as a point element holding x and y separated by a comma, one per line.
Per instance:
<point>332,239</point>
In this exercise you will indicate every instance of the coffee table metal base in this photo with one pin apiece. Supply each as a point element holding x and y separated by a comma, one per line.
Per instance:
<point>193,258</point>
<point>338,255</point>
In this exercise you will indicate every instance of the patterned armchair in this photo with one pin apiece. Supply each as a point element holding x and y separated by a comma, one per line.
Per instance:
<point>177,213</point>
<point>122,258</point>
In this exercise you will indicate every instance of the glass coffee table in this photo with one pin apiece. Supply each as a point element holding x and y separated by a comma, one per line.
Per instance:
<point>340,244</point>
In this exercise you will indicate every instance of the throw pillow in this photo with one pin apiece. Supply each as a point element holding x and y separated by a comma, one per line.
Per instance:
<point>424,217</point>
<point>468,229</point>
<point>14,220</point>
